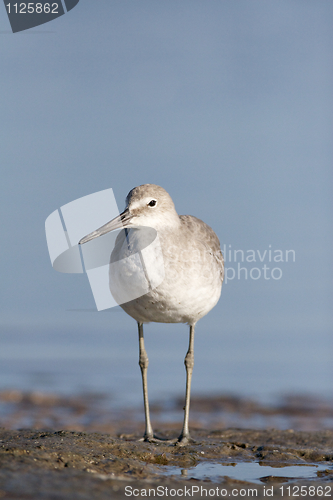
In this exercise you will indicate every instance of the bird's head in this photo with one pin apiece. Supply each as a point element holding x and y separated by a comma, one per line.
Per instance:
<point>147,205</point>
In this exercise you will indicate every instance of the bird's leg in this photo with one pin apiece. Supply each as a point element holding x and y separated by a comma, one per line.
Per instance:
<point>143,363</point>
<point>189,363</point>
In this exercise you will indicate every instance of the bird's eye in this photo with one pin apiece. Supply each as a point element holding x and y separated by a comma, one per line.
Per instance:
<point>152,203</point>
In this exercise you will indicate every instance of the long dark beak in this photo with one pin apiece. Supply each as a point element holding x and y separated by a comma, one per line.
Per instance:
<point>121,221</point>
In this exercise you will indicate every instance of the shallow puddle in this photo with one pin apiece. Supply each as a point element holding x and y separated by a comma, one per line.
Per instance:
<point>246,471</point>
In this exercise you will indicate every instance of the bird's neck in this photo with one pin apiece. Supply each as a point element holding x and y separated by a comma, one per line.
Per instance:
<point>169,222</point>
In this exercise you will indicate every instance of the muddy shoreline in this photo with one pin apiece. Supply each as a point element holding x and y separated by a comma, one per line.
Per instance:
<point>48,464</point>
<point>82,447</point>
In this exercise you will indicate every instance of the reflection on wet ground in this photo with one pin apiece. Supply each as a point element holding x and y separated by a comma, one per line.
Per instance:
<point>96,412</point>
<point>245,471</point>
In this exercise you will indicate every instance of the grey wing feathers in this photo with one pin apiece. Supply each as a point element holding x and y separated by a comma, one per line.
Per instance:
<point>207,236</point>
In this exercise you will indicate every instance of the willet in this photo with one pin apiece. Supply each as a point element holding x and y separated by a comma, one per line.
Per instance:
<point>193,276</point>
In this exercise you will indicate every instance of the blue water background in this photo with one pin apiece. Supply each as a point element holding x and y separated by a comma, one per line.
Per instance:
<point>98,353</point>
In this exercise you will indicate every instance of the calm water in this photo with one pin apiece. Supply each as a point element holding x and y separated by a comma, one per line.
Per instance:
<point>98,359</point>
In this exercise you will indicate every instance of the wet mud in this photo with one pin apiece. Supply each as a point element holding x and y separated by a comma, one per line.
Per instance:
<point>54,463</point>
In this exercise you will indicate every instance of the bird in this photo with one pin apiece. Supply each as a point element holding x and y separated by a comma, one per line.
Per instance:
<point>193,272</point>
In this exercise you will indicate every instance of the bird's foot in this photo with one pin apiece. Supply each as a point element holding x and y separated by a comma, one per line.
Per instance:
<point>148,439</point>
<point>184,440</point>
<point>155,439</point>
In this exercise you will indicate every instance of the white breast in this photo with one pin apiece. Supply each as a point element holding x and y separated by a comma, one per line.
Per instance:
<point>168,280</point>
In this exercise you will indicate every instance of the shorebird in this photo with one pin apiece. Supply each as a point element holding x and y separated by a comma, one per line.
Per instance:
<point>193,276</point>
